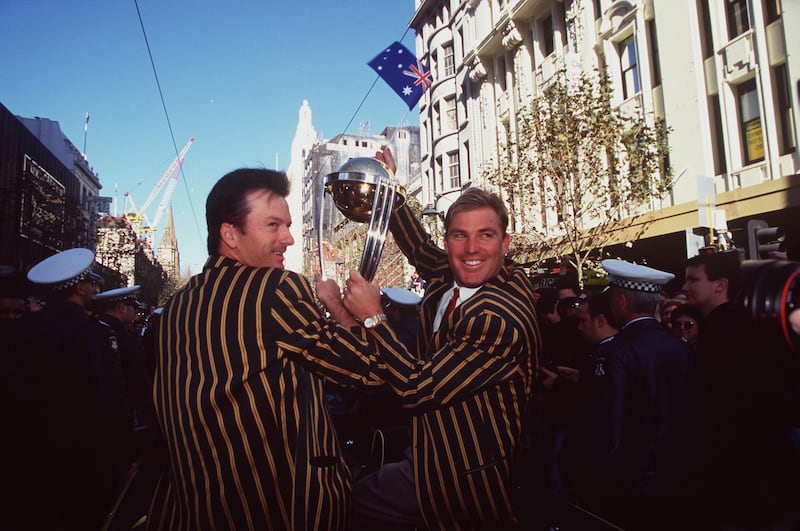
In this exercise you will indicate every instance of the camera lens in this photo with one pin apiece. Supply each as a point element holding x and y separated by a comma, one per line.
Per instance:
<point>771,291</point>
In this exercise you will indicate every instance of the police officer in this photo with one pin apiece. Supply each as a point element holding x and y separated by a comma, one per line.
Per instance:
<point>117,309</point>
<point>402,312</point>
<point>70,417</point>
<point>648,446</point>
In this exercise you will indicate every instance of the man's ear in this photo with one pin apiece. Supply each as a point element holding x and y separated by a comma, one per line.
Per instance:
<point>81,288</point>
<point>722,285</point>
<point>228,234</point>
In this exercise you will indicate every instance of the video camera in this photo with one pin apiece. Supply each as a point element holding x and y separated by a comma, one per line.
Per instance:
<point>771,293</point>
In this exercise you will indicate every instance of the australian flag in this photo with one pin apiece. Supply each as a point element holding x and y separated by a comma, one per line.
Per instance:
<point>401,70</point>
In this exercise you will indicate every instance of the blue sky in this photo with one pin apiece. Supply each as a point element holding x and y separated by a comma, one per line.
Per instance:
<point>233,74</point>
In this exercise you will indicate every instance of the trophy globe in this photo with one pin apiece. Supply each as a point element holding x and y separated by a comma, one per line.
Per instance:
<point>363,190</point>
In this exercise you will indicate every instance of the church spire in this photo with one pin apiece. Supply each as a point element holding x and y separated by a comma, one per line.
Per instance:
<point>168,255</point>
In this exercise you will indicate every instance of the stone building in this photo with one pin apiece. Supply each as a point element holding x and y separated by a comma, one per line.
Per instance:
<point>722,74</point>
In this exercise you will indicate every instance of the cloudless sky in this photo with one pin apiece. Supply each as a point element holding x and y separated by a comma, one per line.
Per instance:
<point>233,74</point>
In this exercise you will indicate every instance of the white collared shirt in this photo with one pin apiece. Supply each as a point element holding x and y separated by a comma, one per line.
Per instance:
<point>463,294</point>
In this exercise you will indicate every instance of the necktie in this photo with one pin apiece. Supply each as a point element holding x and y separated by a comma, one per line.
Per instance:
<point>451,305</point>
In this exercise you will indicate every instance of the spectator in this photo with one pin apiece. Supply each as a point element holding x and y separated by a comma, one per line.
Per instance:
<point>685,323</point>
<point>665,311</point>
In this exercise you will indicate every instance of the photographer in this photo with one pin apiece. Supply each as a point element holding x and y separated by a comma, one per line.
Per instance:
<point>747,416</point>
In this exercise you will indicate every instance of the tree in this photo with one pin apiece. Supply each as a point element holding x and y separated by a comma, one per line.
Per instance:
<point>585,165</point>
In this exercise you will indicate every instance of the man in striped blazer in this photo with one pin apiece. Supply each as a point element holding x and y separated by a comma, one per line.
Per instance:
<point>249,439</point>
<point>469,391</point>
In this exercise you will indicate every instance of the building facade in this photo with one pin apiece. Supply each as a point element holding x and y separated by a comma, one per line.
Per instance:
<point>722,75</point>
<point>48,193</point>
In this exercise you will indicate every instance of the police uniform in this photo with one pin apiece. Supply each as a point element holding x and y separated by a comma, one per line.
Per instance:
<point>70,407</point>
<point>644,434</point>
<point>137,381</point>
<point>407,328</point>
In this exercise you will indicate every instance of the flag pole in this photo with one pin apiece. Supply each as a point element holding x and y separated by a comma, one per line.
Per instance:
<point>85,132</point>
<point>399,125</point>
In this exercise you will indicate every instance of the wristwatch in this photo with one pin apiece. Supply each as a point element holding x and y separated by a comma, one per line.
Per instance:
<point>373,320</point>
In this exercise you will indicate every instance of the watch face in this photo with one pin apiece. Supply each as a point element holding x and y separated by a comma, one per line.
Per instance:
<point>373,320</point>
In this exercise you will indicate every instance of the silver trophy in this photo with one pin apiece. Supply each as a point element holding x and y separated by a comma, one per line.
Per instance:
<point>364,190</point>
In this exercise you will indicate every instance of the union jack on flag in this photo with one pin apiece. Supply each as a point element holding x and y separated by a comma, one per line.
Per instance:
<point>406,75</point>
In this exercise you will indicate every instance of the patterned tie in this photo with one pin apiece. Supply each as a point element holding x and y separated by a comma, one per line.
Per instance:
<point>452,304</point>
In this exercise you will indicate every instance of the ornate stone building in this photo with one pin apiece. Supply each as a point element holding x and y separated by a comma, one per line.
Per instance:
<point>722,74</point>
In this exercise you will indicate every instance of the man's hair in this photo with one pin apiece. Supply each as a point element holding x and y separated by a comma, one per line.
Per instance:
<point>473,199</point>
<point>720,265</point>
<point>227,201</point>
<point>641,302</point>
<point>600,304</point>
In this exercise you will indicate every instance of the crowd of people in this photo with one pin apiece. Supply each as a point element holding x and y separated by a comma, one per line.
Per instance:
<point>662,421</point>
<point>640,408</point>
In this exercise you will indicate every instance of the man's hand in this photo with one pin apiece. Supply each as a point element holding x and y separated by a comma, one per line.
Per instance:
<point>569,374</point>
<point>329,295</point>
<point>549,379</point>
<point>385,156</point>
<point>362,298</point>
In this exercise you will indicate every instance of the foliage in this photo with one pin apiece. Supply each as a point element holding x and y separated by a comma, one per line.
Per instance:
<point>582,164</point>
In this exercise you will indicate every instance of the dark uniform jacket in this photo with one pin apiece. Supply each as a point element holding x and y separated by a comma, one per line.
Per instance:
<point>250,440</point>
<point>69,423</point>
<point>644,406</point>
<point>468,394</point>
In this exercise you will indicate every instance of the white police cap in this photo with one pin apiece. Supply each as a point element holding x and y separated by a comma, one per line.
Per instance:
<point>634,276</point>
<point>401,297</point>
<point>64,270</point>
<point>119,295</point>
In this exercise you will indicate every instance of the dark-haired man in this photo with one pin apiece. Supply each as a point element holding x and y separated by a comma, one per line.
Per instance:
<point>250,440</point>
<point>734,426</point>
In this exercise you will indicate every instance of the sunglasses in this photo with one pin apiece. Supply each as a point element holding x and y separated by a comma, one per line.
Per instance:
<point>688,325</point>
<point>572,302</point>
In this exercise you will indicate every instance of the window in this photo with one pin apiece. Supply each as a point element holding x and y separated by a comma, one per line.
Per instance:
<point>450,114</point>
<point>717,138</point>
<point>449,63</point>
<point>706,37</point>
<point>783,108</point>
<point>452,167</point>
<point>629,67</point>
<point>738,17</point>
<point>500,72</point>
<point>750,122</point>
<point>548,46</point>
<point>772,10</point>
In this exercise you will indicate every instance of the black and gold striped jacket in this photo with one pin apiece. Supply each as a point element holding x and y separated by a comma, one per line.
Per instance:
<point>468,394</point>
<point>250,441</point>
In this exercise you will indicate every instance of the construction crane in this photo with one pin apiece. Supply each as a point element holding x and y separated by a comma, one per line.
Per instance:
<point>141,224</point>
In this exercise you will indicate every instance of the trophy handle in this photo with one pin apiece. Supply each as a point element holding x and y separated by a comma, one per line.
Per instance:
<point>378,227</point>
<point>318,222</point>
